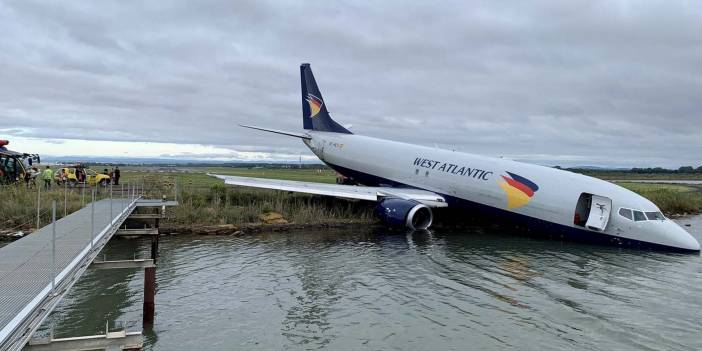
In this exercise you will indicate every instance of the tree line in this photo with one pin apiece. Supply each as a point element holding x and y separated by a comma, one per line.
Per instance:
<point>649,170</point>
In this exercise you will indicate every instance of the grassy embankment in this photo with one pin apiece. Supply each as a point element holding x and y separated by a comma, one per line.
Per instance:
<point>18,205</point>
<point>672,199</point>
<point>206,200</point>
<point>621,175</point>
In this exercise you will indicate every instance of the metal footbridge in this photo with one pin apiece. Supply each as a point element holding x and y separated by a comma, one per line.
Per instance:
<point>39,269</point>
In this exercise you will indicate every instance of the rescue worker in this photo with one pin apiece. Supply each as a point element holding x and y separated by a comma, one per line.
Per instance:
<point>27,161</point>
<point>116,175</point>
<point>34,175</point>
<point>48,176</point>
<point>27,176</point>
<point>79,175</point>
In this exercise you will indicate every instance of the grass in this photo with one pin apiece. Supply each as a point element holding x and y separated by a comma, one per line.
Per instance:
<point>672,199</point>
<point>651,187</point>
<point>221,204</point>
<point>614,175</point>
<point>205,200</point>
<point>18,205</point>
<point>197,176</point>
<point>241,205</point>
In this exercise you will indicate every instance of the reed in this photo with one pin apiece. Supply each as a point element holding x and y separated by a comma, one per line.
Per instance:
<point>673,202</point>
<point>206,201</point>
<point>18,205</point>
<point>221,204</point>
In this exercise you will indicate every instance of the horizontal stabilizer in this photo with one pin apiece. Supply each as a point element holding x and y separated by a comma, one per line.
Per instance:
<point>283,132</point>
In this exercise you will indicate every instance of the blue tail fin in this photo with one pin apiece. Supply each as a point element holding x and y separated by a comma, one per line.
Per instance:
<point>314,111</point>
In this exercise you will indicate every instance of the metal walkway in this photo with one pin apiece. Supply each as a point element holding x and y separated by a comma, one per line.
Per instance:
<point>28,265</point>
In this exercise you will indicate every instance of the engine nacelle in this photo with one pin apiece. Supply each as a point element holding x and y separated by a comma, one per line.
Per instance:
<point>404,213</point>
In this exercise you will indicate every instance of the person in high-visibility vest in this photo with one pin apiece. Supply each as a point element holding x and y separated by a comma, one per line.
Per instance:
<point>48,176</point>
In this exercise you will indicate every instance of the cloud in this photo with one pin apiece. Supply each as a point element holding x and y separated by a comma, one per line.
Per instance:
<point>604,82</point>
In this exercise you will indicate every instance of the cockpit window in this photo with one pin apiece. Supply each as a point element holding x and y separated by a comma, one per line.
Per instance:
<point>639,216</point>
<point>652,216</point>
<point>626,213</point>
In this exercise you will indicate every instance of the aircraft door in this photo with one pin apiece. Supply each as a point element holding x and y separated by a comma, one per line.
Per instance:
<point>600,209</point>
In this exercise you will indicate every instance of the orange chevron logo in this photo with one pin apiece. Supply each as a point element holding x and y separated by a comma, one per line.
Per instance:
<point>519,190</point>
<point>315,104</point>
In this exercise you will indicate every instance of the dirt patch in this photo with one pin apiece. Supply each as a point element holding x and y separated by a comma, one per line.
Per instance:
<point>272,218</point>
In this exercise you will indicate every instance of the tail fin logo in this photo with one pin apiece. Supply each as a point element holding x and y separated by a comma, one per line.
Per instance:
<point>315,104</point>
<point>519,190</point>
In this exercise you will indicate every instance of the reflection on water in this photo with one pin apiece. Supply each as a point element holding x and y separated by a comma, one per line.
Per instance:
<point>355,289</point>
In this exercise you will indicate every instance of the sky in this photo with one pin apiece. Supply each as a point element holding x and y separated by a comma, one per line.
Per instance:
<point>608,83</point>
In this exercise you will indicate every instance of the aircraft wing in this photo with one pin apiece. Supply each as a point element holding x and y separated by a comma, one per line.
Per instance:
<point>368,193</point>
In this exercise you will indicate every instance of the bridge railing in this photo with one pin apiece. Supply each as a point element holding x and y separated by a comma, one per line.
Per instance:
<point>24,209</point>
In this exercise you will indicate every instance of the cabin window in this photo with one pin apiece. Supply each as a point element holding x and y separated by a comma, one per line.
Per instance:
<point>639,216</point>
<point>626,213</point>
<point>653,216</point>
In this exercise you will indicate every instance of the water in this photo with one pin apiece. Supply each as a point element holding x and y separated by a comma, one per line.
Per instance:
<point>349,289</point>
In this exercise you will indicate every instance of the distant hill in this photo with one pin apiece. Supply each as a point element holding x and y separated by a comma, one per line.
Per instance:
<point>600,168</point>
<point>162,161</point>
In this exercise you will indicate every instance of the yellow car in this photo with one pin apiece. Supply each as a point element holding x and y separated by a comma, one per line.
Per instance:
<point>71,175</point>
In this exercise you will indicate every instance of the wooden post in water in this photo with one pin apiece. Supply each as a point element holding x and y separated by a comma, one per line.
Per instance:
<point>150,282</point>
<point>149,295</point>
<point>154,242</point>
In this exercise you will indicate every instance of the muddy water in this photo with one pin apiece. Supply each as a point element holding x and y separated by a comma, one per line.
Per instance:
<point>361,290</point>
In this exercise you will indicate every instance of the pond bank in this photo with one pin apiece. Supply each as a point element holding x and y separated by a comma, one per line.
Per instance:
<point>249,228</point>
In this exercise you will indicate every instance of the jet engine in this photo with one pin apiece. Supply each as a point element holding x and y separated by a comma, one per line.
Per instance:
<point>404,213</point>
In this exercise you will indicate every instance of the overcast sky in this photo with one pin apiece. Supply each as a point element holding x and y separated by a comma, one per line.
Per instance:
<point>556,82</point>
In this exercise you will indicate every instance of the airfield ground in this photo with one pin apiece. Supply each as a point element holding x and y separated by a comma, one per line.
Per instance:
<point>206,201</point>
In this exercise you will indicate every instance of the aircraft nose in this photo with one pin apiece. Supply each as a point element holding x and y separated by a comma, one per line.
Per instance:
<point>683,239</point>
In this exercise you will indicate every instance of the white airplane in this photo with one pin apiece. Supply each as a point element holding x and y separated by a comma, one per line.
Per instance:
<point>408,181</point>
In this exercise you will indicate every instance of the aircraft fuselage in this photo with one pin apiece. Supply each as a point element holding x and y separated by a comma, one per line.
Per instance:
<point>550,197</point>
